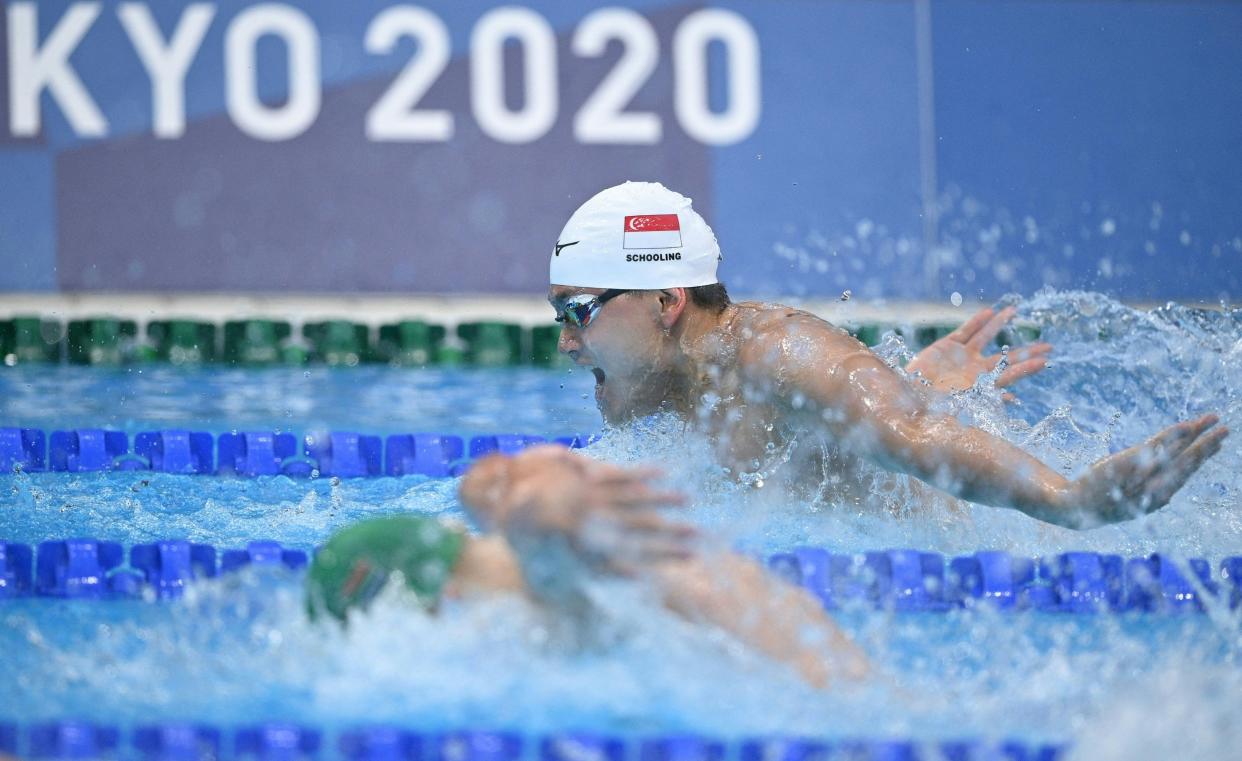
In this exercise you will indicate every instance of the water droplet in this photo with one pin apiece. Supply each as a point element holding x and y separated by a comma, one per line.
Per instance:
<point>1108,227</point>
<point>1184,237</point>
<point>846,294</point>
<point>955,299</point>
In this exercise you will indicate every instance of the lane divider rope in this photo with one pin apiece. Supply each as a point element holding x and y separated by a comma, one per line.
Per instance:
<point>900,579</point>
<point>258,453</point>
<point>185,741</point>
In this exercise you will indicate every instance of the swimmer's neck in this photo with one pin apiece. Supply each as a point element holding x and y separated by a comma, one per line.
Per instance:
<point>674,377</point>
<point>697,335</point>
<point>694,345</point>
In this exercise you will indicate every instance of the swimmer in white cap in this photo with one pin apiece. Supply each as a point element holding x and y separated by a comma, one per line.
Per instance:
<point>634,284</point>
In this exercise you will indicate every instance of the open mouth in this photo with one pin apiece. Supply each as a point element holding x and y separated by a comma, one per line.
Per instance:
<point>599,386</point>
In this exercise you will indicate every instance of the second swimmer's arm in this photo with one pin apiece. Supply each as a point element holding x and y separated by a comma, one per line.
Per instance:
<point>784,622</point>
<point>561,493</point>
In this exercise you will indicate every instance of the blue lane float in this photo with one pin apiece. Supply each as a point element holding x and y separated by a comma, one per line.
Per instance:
<point>76,568</point>
<point>901,580</point>
<point>1156,583</point>
<point>503,443</point>
<point>1073,582</point>
<point>380,744</point>
<point>783,749</point>
<point>177,742</point>
<point>71,739</point>
<point>194,742</point>
<point>908,580</point>
<point>15,565</point>
<point>476,746</point>
<point>87,449</point>
<point>167,567</point>
<point>346,455</point>
<point>1231,575</point>
<point>428,454</point>
<point>577,747</point>
<point>1083,582</point>
<point>263,553</point>
<point>340,454</point>
<point>996,578</point>
<point>257,453</point>
<point>681,748</point>
<point>177,451</point>
<point>277,741</point>
<point>22,449</point>
<point>92,569</point>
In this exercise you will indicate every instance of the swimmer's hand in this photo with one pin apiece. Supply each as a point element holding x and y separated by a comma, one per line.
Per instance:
<point>1144,478</point>
<point>956,361</point>
<point>608,515</point>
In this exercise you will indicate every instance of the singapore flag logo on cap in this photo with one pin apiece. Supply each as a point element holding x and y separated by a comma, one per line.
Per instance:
<point>652,231</point>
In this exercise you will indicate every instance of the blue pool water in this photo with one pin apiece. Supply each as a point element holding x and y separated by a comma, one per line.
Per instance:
<point>239,649</point>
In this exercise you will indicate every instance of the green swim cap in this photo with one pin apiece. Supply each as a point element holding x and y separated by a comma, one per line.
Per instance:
<point>357,561</point>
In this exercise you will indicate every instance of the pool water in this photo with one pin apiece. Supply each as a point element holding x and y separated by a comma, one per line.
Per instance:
<point>239,649</point>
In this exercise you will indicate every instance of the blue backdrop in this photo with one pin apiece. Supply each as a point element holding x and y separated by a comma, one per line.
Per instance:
<point>894,149</point>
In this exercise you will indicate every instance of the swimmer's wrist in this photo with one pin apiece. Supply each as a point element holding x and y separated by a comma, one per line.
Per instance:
<point>1058,504</point>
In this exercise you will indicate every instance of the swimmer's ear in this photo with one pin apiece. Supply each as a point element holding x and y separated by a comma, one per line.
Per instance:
<point>672,303</point>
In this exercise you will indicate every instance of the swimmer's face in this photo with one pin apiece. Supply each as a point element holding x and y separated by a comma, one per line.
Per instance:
<point>621,346</point>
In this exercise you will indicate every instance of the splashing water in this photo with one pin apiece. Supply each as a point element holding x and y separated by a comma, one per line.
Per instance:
<point>241,648</point>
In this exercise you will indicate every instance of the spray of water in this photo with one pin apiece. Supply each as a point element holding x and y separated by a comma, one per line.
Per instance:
<point>240,648</point>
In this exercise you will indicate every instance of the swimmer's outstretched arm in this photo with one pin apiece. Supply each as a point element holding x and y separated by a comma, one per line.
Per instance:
<point>876,413</point>
<point>609,518</point>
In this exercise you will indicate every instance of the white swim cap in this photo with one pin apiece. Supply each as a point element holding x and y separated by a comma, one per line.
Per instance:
<point>638,235</point>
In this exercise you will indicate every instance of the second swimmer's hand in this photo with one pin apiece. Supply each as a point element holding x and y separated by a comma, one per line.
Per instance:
<point>611,516</point>
<point>1145,477</point>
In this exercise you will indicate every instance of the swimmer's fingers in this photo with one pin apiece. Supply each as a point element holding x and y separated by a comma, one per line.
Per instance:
<point>984,335</point>
<point>1023,353</point>
<point>640,553</point>
<point>632,488</point>
<point>651,524</point>
<point>625,544</point>
<point>968,329</point>
<point>1169,443</point>
<point>1162,488</point>
<point>1020,370</point>
<point>1144,478</point>
<point>615,475</point>
<point>647,497</point>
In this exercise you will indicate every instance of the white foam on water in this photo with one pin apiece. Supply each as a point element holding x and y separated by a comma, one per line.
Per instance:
<point>242,648</point>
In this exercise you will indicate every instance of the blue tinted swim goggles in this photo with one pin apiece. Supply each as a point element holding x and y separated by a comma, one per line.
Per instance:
<point>580,310</point>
